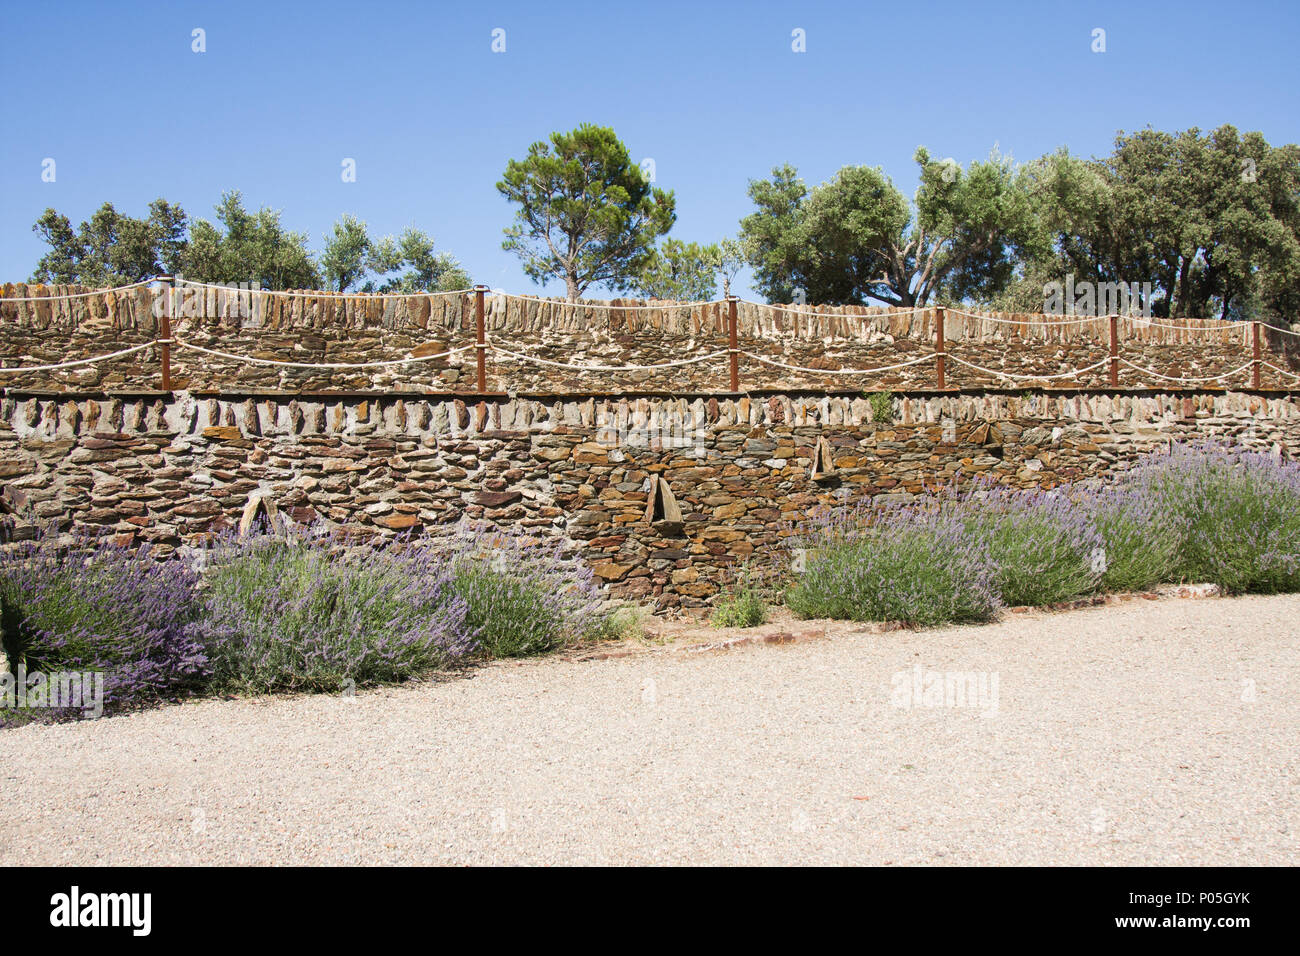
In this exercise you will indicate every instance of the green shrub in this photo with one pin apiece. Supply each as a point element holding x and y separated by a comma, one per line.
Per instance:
<point>1139,539</point>
<point>1236,515</point>
<point>625,623</point>
<point>292,612</point>
<point>744,602</point>
<point>1040,544</point>
<point>894,564</point>
<point>82,603</point>
<point>523,597</point>
<point>743,607</point>
<point>882,406</point>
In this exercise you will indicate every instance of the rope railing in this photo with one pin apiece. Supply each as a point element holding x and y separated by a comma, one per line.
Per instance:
<point>165,342</point>
<point>1073,373</point>
<point>609,306</point>
<point>536,360</point>
<point>77,295</point>
<point>836,371</point>
<point>78,362</point>
<point>999,320</point>
<point>1186,379</point>
<point>894,310</point>
<point>251,360</point>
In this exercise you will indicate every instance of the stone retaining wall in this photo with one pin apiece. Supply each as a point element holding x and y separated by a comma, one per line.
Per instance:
<point>662,496</point>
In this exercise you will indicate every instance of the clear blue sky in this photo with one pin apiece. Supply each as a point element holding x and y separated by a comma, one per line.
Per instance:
<point>711,91</point>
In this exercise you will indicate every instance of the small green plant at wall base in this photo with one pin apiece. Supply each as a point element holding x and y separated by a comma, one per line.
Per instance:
<point>626,623</point>
<point>741,606</point>
<point>882,406</point>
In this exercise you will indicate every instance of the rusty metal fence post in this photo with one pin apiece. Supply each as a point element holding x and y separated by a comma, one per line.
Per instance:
<point>733,349</point>
<point>480,338</point>
<point>1255,354</point>
<point>1114,351</point>
<point>940,357</point>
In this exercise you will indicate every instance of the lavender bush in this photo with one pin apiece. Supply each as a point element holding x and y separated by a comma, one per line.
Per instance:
<point>1041,545</point>
<point>82,603</point>
<point>294,611</point>
<point>1200,513</point>
<point>916,563</point>
<point>1140,537</point>
<point>522,596</point>
<point>1236,514</point>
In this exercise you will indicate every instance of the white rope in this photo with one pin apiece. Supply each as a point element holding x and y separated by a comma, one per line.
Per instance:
<point>89,361</point>
<point>606,306</point>
<point>313,294</point>
<point>1282,370</point>
<point>1168,378</point>
<point>1027,378</point>
<point>1045,322</point>
<point>838,371</point>
<point>1143,323</point>
<point>606,368</point>
<point>258,361</point>
<point>74,295</point>
<point>855,315</point>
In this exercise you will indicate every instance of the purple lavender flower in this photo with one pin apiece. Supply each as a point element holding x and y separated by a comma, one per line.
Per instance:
<point>297,610</point>
<point>81,603</point>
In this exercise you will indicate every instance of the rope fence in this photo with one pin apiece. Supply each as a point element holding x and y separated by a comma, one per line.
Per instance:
<point>165,343</point>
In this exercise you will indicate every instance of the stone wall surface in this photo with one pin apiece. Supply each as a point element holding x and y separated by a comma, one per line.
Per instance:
<point>662,496</point>
<point>314,327</point>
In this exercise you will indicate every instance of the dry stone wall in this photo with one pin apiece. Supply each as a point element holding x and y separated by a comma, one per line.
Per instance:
<point>316,327</point>
<point>661,496</point>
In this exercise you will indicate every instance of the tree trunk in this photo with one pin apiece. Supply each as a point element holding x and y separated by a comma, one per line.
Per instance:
<point>1184,276</point>
<point>571,287</point>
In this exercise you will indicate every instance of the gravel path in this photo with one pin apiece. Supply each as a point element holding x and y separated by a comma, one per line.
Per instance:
<point>1122,734</point>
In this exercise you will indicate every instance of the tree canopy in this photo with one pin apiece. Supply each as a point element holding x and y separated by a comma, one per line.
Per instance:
<point>1207,223</point>
<point>857,237</point>
<point>1209,220</point>
<point>684,271</point>
<point>586,214</point>
<point>112,249</point>
<point>405,263</point>
<point>252,247</point>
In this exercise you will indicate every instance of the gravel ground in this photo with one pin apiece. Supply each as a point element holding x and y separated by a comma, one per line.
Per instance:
<point>1122,735</point>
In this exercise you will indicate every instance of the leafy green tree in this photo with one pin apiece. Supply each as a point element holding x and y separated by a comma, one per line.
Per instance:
<point>849,231</point>
<point>731,257</point>
<point>857,237</point>
<point>346,254</point>
<point>418,268</point>
<point>111,249</point>
<point>679,270</point>
<point>972,227</point>
<point>771,235</point>
<point>1210,221</point>
<point>586,214</point>
<point>403,264</point>
<point>249,247</point>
